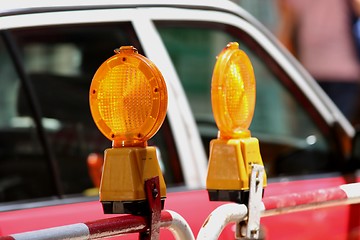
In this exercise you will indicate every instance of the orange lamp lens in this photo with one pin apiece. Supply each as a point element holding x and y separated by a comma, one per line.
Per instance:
<point>128,98</point>
<point>233,92</point>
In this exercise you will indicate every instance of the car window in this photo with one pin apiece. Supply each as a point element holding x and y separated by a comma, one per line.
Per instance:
<point>60,62</point>
<point>19,146</point>
<point>291,141</point>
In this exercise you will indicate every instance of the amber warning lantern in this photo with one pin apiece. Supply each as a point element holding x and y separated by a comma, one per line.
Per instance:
<point>128,102</point>
<point>233,95</point>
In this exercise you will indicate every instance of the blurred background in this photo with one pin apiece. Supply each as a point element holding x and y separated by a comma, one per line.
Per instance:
<point>265,11</point>
<point>325,37</point>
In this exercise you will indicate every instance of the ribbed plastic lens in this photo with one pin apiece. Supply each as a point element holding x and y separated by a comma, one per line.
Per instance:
<point>128,98</point>
<point>125,99</point>
<point>233,92</point>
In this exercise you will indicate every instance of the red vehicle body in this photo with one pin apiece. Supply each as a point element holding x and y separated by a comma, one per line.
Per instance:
<point>194,206</point>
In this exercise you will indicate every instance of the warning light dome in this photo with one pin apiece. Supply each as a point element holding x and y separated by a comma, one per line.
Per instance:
<point>233,92</point>
<point>128,98</point>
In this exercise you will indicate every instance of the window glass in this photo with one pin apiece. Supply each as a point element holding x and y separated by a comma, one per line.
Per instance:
<point>290,141</point>
<point>20,149</point>
<point>60,63</point>
<point>10,86</point>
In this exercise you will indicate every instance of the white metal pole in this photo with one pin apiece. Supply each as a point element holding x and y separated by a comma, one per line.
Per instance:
<point>219,218</point>
<point>178,227</point>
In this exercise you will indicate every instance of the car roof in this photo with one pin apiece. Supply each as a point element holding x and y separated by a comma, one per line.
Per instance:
<point>25,6</point>
<point>18,7</point>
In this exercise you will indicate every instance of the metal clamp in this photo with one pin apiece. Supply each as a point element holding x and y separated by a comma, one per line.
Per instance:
<point>152,190</point>
<point>250,229</point>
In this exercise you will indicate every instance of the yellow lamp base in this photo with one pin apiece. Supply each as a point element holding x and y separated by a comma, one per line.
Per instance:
<point>230,168</point>
<point>125,171</point>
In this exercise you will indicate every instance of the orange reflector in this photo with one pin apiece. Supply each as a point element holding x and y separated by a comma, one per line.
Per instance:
<point>128,98</point>
<point>233,92</point>
<point>95,165</point>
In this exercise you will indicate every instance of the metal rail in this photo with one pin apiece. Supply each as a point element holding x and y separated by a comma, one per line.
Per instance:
<point>275,205</point>
<point>212,227</point>
<point>294,202</point>
<point>220,218</point>
<point>109,227</point>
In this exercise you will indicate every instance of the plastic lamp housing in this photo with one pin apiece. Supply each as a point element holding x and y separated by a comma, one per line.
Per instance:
<point>233,92</point>
<point>128,98</point>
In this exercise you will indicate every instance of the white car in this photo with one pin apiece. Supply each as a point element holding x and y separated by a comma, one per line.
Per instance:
<point>49,52</point>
